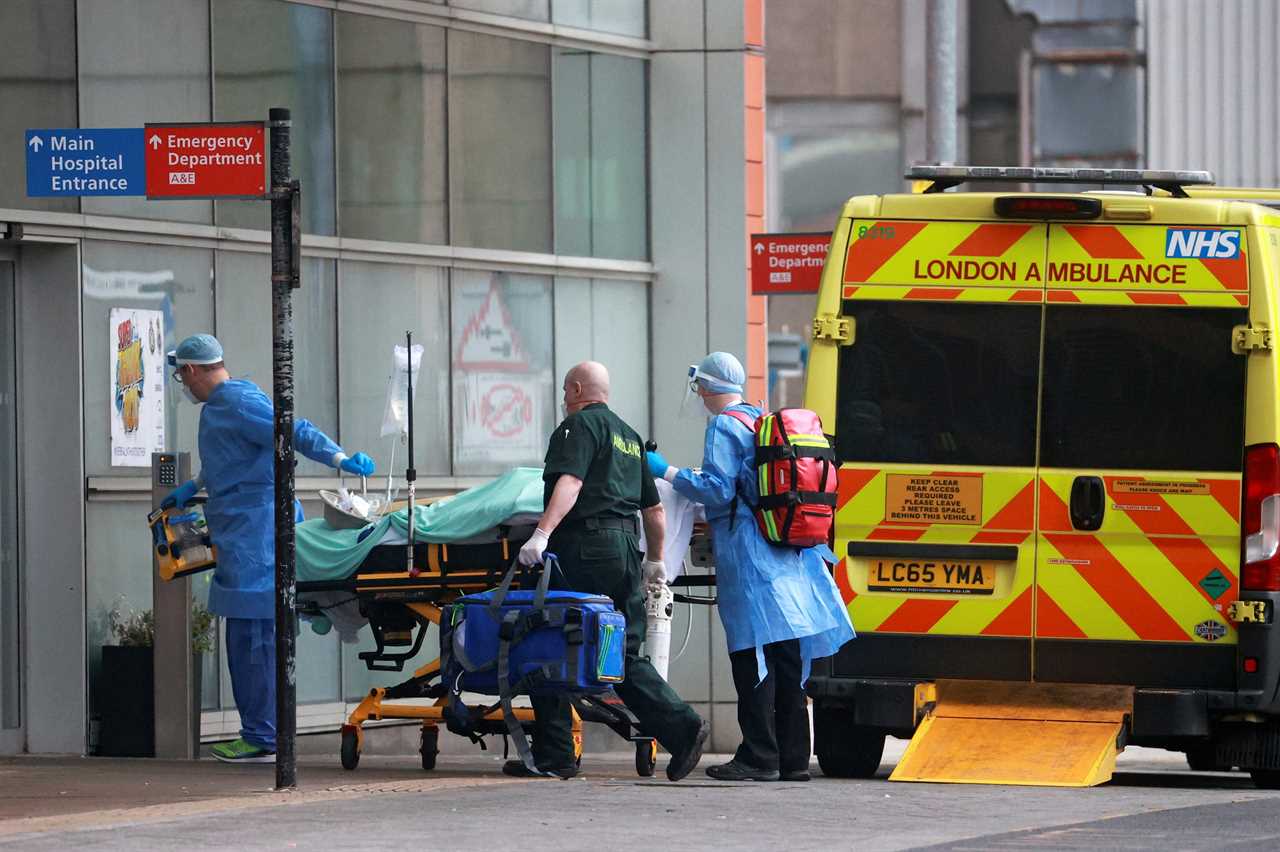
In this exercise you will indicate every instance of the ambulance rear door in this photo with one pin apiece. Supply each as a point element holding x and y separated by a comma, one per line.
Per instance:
<point>1141,450</point>
<point>935,425</point>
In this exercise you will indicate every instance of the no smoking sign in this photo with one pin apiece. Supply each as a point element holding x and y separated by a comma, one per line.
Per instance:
<point>506,410</point>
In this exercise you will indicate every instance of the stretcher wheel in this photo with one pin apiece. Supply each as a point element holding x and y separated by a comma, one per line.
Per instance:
<point>646,758</point>
<point>429,747</point>
<point>350,749</point>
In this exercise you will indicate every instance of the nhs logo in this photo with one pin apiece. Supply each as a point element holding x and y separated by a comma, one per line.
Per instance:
<point>1196,242</point>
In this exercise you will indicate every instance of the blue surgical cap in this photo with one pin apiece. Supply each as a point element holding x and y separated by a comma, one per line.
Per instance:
<point>197,349</point>
<point>720,372</point>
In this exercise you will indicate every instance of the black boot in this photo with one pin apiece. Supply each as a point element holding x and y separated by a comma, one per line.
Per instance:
<point>517,769</point>
<point>735,771</point>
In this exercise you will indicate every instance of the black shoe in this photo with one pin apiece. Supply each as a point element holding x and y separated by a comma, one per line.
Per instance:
<point>735,771</point>
<point>517,769</point>
<point>682,764</point>
<point>795,775</point>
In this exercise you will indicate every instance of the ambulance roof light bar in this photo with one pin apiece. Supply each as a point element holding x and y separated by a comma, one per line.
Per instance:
<point>1172,181</point>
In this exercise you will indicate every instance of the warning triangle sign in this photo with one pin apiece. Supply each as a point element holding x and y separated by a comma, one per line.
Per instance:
<point>489,340</point>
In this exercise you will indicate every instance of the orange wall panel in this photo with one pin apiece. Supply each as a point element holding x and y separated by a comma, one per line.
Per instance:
<point>754,142</point>
<point>753,81</point>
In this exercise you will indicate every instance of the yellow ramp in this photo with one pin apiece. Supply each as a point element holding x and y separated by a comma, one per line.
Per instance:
<point>1039,734</point>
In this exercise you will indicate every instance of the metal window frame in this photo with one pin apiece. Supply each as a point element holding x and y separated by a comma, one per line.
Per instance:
<point>487,23</point>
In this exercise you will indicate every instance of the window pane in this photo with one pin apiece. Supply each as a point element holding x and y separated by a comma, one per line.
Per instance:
<point>625,17</point>
<point>503,391</point>
<point>573,152</point>
<point>271,54</point>
<point>499,142</point>
<point>244,329</point>
<point>932,384</point>
<point>175,281</point>
<point>391,93</point>
<point>619,219</point>
<point>38,78</point>
<point>617,316</point>
<point>140,61</point>
<point>117,574</point>
<point>620,332</point>
<point>534,10</point>
<point>601,205</point>
<point>377,303</point>
<point>1133,388</point>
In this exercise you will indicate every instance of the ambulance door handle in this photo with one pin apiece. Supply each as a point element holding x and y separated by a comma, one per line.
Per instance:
<point>1088,502</point>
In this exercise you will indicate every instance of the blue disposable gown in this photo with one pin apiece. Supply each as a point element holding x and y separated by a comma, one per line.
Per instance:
<point>765,593</point>
<point>237,431</point>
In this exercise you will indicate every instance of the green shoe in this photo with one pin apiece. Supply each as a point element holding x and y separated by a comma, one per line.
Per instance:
<point>242,752</point>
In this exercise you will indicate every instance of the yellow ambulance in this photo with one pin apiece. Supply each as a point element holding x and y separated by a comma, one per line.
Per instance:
<point>1058,522</point>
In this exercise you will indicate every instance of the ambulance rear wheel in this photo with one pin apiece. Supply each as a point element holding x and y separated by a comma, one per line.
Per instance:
<point>845,750</point>
<point>646,758</point>
<point>1202,758</point>
<point>429,748</point>
<point>1266,779</point>
<point>350,750</point>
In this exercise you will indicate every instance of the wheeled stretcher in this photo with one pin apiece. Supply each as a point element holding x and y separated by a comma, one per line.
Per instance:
<point>400,608</point>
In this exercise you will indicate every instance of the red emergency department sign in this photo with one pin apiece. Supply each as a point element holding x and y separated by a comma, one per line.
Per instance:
<point>787,263</point>
<point>218,160</point>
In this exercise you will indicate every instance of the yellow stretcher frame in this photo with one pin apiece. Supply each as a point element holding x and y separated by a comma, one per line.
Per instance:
<point>372,709</point>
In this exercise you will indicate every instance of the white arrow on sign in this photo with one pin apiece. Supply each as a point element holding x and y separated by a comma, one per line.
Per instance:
<point>35,143</point>
<point>759,248</point>
<point>155,141</point>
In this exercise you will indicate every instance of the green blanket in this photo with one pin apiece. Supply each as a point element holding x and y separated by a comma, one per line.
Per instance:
<point>328,554</point>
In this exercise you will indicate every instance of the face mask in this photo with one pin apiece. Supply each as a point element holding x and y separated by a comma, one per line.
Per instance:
<point>191,398</point>
<point>564,411</point>
<point>707,408</point>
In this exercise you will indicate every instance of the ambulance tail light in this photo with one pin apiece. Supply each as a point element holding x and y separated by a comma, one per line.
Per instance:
<point>1041,207</point>
<point>1261,522</point>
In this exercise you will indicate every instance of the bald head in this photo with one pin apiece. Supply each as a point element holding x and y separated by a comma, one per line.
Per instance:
<point>584,384</point>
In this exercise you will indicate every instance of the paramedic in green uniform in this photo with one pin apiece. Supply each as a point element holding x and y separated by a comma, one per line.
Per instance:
<point>596,480</point>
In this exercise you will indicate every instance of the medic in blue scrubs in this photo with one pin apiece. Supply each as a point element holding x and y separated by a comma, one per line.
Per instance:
<point>237,430</point>
<point>779,605</point>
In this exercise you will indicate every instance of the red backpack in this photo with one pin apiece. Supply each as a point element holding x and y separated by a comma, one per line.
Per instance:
<point>796,473</point>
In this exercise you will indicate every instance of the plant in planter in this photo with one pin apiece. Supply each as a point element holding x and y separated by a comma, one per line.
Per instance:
<point>125,694</point>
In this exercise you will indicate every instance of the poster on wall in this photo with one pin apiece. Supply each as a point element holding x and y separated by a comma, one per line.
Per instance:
<point>137,386</point>
<point>500,417</point>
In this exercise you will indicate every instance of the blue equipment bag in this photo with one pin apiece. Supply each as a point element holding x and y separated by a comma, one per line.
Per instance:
<point>532,642</point>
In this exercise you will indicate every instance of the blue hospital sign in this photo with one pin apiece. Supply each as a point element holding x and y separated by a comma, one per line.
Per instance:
<point>98,161</point>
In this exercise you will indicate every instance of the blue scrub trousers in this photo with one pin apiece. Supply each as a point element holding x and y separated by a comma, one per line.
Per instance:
<point>251,657</point>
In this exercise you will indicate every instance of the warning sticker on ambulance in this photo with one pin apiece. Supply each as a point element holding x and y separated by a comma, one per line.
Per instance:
<point>933,499</point>
<point>1159,486</point>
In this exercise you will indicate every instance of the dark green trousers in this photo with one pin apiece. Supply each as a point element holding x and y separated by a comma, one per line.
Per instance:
<point>607,562</point>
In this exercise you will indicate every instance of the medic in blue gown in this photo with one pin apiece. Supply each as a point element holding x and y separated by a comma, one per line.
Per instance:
<point>779,605</point>
<point>237,431</point>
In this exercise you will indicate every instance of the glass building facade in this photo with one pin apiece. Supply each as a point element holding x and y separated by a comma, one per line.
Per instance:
<point>476,164</point>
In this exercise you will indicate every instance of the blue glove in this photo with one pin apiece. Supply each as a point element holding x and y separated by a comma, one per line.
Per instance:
<point>180,496</point>
<point>359,464</point>
<point>658,466</point>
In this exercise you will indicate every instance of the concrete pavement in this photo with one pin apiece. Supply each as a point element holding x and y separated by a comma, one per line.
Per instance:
<point>467,804</point>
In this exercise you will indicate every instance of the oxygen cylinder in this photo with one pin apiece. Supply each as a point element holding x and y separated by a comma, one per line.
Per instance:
<point>657,613</point>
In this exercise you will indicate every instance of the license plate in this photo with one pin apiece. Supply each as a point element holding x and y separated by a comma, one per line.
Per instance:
<point>932,576</point>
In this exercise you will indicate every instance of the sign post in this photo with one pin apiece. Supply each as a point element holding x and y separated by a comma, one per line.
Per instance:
<point>285,244</point>
<point>211,160</point>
